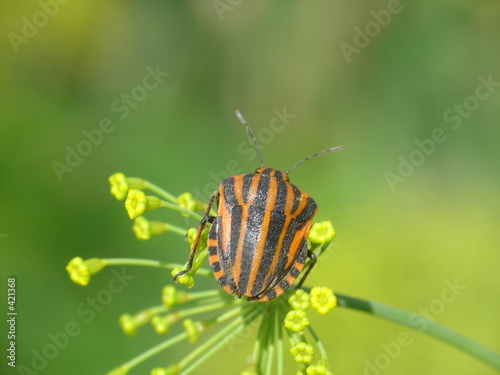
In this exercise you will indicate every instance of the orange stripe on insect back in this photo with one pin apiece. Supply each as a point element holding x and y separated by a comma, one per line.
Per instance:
<point>289,279</point>
<point>213,258</point>
<point>238,188</point>
<point>302,204</point>
<point>218,274</point>
<point>238,191</point>
<point>279,291</point>
<point>294,246</point>
<point>288,218</point>
<point>225,230</point>
<point>259,246</point>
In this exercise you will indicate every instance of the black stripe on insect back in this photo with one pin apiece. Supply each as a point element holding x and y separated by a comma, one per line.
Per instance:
<point>271,294</point>
<point>253,230</point>
<point>276,224</point>
<point>308,211</point>
<point>216,266</point>
<point>212,233</point>
<point>281,196</point>
<point>278,174</point>
<point>296,225</point>
<point>229,193</point>
<point>287,241</point>
<point>296,198</point>
<point>231,248</point>
<point>247,181</point>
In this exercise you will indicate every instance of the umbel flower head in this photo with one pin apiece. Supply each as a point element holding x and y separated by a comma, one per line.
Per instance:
<point>281,326</point>
<point>278,323</point>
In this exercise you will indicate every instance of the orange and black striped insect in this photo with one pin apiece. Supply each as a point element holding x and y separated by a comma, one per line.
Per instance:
<point>257,242</point>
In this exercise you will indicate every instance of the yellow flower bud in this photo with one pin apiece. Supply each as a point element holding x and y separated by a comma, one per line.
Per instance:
<point>193,329</point>
<point>321,232</point>
<point>318,370</point>
<point>80,270</point>
<point>120,185</point>
<point>299,300</point>
<point>144,228</point>
<point>322,299</point>
<point>186,201</point>
<point>302,352</point>
<point>296,320</point>
<point>185,279</point>
<point>137,202</point>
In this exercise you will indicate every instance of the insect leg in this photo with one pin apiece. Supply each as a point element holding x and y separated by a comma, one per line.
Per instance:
<point>310,255</point>
<point>207,218</point>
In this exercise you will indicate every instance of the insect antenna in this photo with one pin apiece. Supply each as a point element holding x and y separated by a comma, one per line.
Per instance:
<point>314,155</point>
<point>249,131</point>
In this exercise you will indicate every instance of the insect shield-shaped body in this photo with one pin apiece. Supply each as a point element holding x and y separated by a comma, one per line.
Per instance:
<point>257,242</point>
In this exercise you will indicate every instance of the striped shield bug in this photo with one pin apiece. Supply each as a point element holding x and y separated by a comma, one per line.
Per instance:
<point>257,242</point>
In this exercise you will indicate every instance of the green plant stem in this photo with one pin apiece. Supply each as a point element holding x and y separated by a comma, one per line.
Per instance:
<point>162,192</point>
<point>154,350</point>
<point>182,210</point>
<point>262,337</point>
<point>279,345</point>
<point>207,307</point>
<point>221,338</point>
<point>150,263</point>
<point>207,293</point>
<point>270,343</point>
<point>318,342</point>
<point>175,229</point>
<point>426,326</point>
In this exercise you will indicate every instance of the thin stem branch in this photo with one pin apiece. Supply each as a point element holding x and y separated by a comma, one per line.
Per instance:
<point>318,342</point>
<point>162,192</point>
<point>154,350</point>
<point>270,342</point>
<point>279,346</point>
<point>426,326</point>
<point>217,341</point>
<point>175,229</point>
<point>183,210</point>
<point>149,263</point>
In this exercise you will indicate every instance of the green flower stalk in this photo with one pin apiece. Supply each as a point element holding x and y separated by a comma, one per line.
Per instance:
<point>144,229</point>
<point>281,327</point>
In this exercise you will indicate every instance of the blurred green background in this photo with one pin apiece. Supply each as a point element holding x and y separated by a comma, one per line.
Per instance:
<point>398,243</point>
